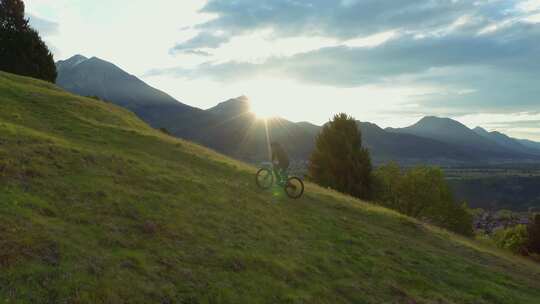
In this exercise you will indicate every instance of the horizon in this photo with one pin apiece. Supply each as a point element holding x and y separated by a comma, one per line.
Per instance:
<point>307,64</point>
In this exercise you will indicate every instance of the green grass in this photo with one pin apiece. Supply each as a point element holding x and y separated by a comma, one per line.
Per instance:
<point>96,207</point>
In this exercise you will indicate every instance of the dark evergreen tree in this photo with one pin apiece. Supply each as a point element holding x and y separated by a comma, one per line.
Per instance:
<point>339,161</point>
<point>21,49</point>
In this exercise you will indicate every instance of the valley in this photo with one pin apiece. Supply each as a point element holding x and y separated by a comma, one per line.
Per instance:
<point>511,187</point>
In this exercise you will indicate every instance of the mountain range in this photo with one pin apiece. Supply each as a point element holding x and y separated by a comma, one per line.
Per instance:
<point>231,128</point>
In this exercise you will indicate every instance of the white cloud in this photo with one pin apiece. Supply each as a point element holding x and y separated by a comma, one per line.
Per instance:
<point>532,18</point>
<point>529,5</point>
<point>372,40</point>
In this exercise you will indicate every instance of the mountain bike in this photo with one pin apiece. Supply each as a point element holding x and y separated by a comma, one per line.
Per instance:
<point>293,185</point>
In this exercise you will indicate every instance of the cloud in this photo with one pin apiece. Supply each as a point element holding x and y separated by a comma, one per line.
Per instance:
<point>197,52</point>
<point>449,57</point>
<point>493,70</point>
<point>202,40</point>
<point>349,19</point>
<point>513,49</point>
<point>43,26</point>
<point>342,20</point>
<point>446,31</point>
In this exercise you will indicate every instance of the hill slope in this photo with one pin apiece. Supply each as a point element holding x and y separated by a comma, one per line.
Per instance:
<point>96,207</point>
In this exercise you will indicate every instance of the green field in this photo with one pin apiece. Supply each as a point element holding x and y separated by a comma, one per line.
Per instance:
<point>97,207</point>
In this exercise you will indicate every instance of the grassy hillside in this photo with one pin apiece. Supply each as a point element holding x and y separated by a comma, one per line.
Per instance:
<point>96,207</point>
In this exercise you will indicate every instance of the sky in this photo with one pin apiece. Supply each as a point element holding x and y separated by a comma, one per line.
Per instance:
<point>389,62</point>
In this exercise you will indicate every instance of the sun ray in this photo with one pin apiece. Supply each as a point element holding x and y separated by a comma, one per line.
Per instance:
<point>247,134</point>
<point>268,139</point>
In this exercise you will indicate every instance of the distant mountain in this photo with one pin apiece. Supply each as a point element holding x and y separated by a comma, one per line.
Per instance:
<point>530,144</point>
<point>64,65</point>
<point>446,130</point>
<point>97,77</point>
<point>485,146</point>
<point>410,149</point>
<point>233,129</point>
<point>505,141</point>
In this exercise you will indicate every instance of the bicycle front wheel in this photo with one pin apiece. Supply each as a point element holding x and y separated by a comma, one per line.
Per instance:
<point>264,178</point>
<point>294,188</point>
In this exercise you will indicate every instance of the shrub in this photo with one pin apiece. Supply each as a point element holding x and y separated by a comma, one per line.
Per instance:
<point>423,193</point>
<point>514,239</point>
<point>339,161</point>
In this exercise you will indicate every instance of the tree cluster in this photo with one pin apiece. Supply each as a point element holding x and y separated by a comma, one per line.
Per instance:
<point>339,161</point>
<point>22,51</point>
<point>422,192</point>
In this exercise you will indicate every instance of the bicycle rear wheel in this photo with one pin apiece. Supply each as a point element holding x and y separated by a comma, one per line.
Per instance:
<point>264,178</point>
<point>294,188</point>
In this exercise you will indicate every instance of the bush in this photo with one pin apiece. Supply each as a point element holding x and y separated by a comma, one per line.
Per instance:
<point>423,193</point>
<point>339,161</point>
<point>22,51</point>
<point>514,239</point>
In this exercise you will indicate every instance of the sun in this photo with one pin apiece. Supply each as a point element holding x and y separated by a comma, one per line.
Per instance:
<point>264,110</point>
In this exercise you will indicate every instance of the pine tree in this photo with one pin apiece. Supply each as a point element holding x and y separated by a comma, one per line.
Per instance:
<point>21,49</point>
<point>339,161</point>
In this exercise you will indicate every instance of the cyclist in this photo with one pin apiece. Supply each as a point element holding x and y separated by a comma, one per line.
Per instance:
<point>280,159</point>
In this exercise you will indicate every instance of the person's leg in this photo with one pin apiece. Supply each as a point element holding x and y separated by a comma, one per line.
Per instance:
<point>284,174</point>
<point>277,173</point>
